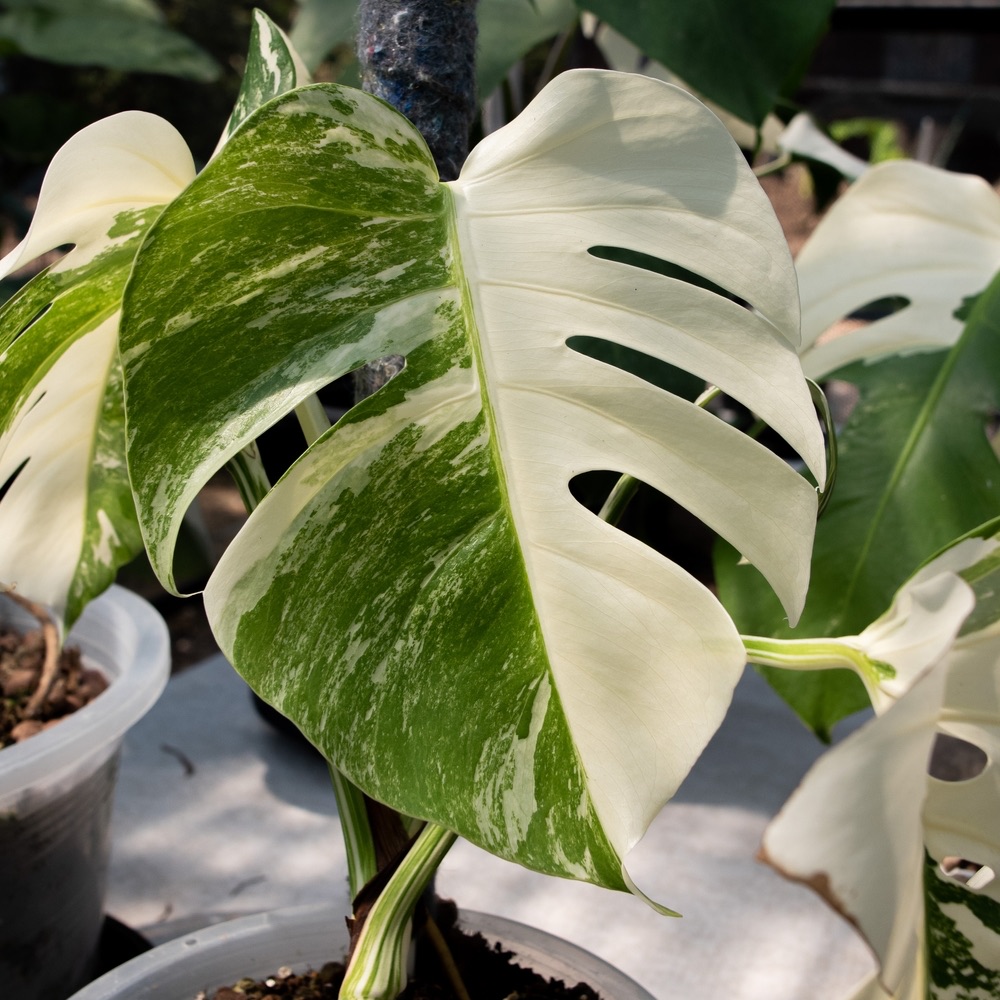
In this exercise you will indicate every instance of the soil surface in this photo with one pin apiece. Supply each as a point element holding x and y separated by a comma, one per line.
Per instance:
<point>480,971</point>
<point>40,685</point>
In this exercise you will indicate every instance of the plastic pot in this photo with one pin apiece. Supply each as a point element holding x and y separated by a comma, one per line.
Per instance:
<point>309,936</point>
<point>55,802</point>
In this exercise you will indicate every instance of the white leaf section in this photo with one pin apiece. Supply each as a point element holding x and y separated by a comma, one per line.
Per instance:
<point>802,136</point>
<point>43,512</point>
<point>858,828</point>
<point>853,832</point>
<point>917,630</point>
<point>620,161</point>
<point>129,161</point>
<point>58,533</point>
<point>904,229</point>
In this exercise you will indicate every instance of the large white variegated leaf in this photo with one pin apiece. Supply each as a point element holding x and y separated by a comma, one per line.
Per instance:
<point>421,593</point>
<point>626,56</point>
<point>869,828</point>
<point>904,230</point>
<point>67,521</point>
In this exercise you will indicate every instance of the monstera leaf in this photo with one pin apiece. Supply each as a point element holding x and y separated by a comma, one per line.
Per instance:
<point>274,67</point>
<point>880,838</point>
<point>905,232</point>
<point>921,426</point>
<point>421,593</point>
<point>68,520</point>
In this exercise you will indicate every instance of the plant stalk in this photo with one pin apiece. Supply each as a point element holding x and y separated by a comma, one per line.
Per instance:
<point>377,970</point>
<point>814,654</point>
<point>358,840</point>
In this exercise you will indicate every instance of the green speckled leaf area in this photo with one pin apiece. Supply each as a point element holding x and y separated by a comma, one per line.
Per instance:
<point>420,592</point>
<point>273,67</point>
<point>963,939</point>
<point>263,282</point>
<point>423,673</point>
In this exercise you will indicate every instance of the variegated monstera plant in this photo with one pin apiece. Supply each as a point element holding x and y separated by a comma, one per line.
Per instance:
<point>420,592</point>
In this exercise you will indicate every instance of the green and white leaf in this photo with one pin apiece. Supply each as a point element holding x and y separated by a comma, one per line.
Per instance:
<point>127,35</point>
<point>421,593</point>
<point>869,828</point>
<point>68,520</point>
<point>897,648</point>
<point>919,428</point>
<point>273,67</point>
<point>904,229</point>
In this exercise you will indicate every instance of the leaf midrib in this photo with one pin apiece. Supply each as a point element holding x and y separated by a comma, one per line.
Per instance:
<point>899,468</point>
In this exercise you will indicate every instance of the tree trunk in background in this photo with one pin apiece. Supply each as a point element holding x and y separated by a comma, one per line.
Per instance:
<point>420,57</point>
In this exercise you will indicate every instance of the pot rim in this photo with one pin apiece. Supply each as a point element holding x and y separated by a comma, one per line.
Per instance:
<point>122,634</point>
<point>206,961</point>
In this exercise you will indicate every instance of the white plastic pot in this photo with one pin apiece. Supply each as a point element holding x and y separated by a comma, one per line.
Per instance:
<point>309,936</point>
<point>55,802</point>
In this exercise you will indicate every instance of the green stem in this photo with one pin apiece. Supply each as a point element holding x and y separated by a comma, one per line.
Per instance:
<point>712,392</point>
<point>312,418</point>
<point>358,841</point>
<point>618,499</point>
<point>814,654</point>
<point>377,969</point>
<point>627,486</point>
<point>775,166</point>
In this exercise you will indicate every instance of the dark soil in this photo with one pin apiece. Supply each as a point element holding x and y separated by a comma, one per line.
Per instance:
<point>26,662</point>
<point>486,970</point>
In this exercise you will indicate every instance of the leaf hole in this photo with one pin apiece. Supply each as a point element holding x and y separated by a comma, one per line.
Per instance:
<point>969,873</point>
<point>284,442</point>
<point>667,268</point>
<point>878,309</point>
<point>654,519</point>
<point>865,314</point>
<point>954,759</point>
<point>659,373</point>
<point>992,427</point>
<point>734,413</point>
<point>5,488</point>
<point>842,397</point>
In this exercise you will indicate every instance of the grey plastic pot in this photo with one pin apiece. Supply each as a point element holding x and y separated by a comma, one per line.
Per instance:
<point>309,936</point>
<point>55,802</point>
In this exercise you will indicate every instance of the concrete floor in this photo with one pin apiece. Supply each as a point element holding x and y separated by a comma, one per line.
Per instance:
<point>217,815</point>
